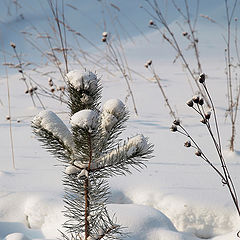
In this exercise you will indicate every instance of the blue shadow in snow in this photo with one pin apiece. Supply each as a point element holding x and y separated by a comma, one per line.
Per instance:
<point>7,228</point>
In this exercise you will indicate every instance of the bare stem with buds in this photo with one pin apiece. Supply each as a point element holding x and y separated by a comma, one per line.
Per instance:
<point>197,104</point>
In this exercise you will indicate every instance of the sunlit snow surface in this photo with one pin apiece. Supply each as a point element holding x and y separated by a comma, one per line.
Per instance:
<point>177,197</point>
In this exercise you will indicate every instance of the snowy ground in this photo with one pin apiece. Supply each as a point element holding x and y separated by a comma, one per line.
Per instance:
<point>177,197</point>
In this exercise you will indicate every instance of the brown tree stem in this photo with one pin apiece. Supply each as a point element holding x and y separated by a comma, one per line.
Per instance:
<point>86,187</point>
<point>86,209</point>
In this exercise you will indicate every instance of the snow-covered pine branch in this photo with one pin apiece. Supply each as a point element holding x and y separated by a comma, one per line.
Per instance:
<point>84,90</point>
<point>85,127</point>
<point>54,134</point>
<point>52,123</point>
<point>113,118</point>
<point>133,153</point>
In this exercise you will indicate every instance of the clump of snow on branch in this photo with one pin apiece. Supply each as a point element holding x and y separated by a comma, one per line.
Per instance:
<point>91,238</point>
<point>82,81</point>
<point>72,170</point>
<point>85,119</point>
<point>115,107</point>
<point>108,121</point>
<point>83,172</point>
<point>77,167</point>
<point>52,123</point>
<point>86,98</point>
<point>137,143</point>
<point>113,111</point>
<point>80,164</point>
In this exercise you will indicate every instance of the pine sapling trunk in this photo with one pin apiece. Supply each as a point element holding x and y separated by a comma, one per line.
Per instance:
<point>86,209</point>
<point>86,186</point>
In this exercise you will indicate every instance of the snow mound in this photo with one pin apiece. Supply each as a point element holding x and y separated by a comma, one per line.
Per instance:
<point>146,223</point>
<point>162,234</point>
<point>114,107</point>
<point>82,81</point>
<point>229,236</point>
<point>18,231</point>
<point>16,236</point>
<point>85,119</point>
<point>52,123</point>
<point>139,218</point>
<point>45,213</point>
<point>200,220</point>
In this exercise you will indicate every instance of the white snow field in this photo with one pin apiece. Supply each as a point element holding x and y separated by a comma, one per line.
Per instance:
<point>176,197</point>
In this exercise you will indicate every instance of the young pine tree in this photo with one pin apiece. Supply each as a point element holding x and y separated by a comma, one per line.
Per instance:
<point>91,152</point>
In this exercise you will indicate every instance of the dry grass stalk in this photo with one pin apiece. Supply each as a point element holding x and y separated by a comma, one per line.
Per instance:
<point>59,51</point>
<point>149,65</point>
<point>38,89</point>
<point>61,33</point>
<point>116,56</point>
<point>30,88</point>
<point>115,49</point>
<point>9,118</point>
<point>233,101</point>
<point>158,17</point>
<point>192,29</point>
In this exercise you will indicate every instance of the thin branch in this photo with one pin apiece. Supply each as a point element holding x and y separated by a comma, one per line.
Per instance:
<point>10,116</point>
